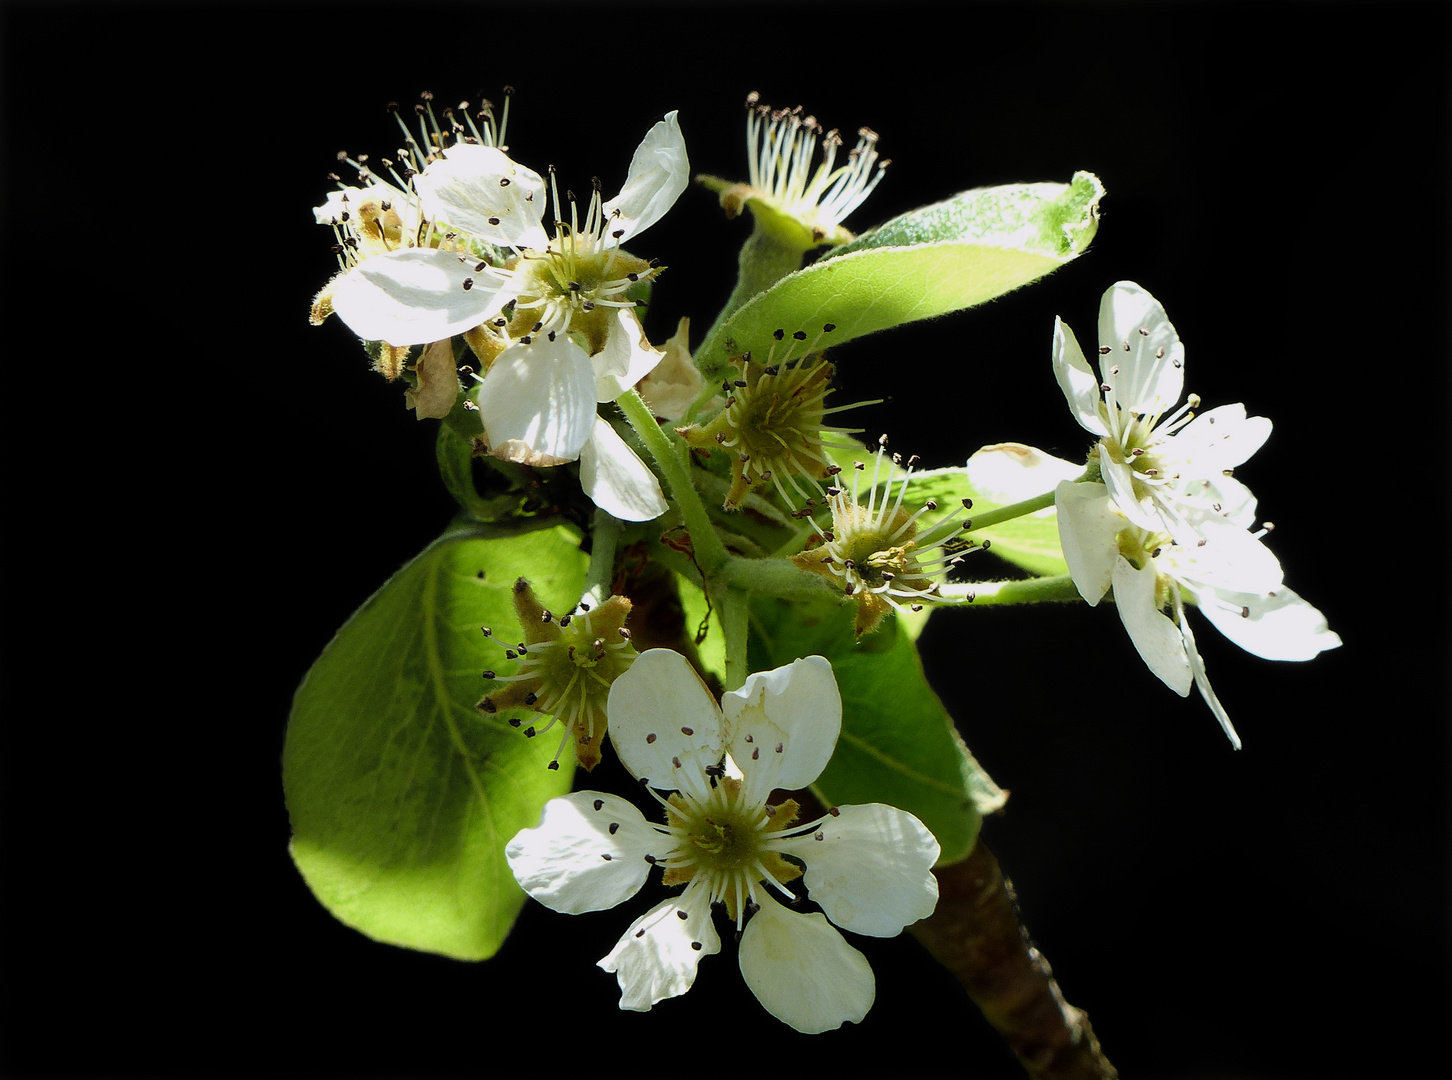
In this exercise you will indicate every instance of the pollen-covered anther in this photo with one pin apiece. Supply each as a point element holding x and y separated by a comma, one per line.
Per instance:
<point>775,421</point>
<point>566,668</point>
<point>875,549</point>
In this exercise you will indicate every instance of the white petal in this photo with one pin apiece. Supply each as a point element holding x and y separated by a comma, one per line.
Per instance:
<point>616,480</point>
<point>870,868</point>
<point>626,358</point>
<point>1202,681</point>
<point>675,382</point>
<point>657,957</point>
<point>1141,381</point>
<point>1088,527</point>
<point>1279,626</point>
<point>571,861</point>
<point>417,295</point>
<point>1157,638</point>
<point>1217,440</point>
<point>662,714</point>
<point>537,401</point>
<point>803,971</point>
<point>1119,479</point>
<point>1227,558</point>
<point>1077,379</point>
<point>782,725</point>
<point>659,172</point>
<point>480,190</point>
<point>1012,472</point>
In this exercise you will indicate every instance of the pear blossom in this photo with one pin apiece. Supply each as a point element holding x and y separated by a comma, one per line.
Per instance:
<point>1149,445</point>
<point>799,195</point>
<point>773,423</point>
<point>1227,572</point>
<point>566,667</point>
<point>868,867</point>
<point>572,337</point>
<point>874,549</point>
<point>378,217</point>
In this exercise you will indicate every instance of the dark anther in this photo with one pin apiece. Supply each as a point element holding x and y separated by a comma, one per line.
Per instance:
<point>504,181</point>
<point>607,856</point>
<point>650,738</point>
<point>834,812</point>
<point>598,803</point>
<point>688,731</point>
<point>682,915</point>
<point>696,945</point>
<point>468,283</point>
<point>1104,350</point>
<point>778,334</point>
<point>555,765</point>
<point>614,827</point>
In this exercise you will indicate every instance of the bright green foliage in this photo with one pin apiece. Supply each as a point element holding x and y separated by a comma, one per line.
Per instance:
<point>946,257</point>
<point>898,743</point>
<point>402,794</point>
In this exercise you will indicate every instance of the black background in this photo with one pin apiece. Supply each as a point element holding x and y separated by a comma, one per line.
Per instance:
<point>201,487</point>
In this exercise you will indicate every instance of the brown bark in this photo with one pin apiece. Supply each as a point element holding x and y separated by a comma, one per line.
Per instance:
<point>975,934</point>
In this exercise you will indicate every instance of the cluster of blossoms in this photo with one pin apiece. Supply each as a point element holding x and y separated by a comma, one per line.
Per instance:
<point>551,318</point>
<point>454,244</point>
<point>1166,524</point>
<point>867,867</point>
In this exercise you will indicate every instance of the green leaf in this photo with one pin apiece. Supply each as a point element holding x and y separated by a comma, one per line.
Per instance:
<point>402,794</point>
<point>898,744</point>
<point>1030,542</point>
<point>952,255</point>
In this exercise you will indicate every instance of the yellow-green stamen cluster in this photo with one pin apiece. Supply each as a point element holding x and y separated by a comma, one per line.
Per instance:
<point>875,550</point>
<point>725,844</point>
<point>772,424</point>
<point>566,668</point>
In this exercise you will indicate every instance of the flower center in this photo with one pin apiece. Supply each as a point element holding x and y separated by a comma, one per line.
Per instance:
<point>574,283</point>
<point>725,842</point>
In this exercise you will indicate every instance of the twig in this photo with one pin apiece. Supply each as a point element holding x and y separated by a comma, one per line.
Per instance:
<point>975,934</point>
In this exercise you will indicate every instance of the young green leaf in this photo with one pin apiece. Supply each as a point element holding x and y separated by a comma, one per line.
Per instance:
<point>402,794</point>
<point>952,255</point>
<point>898,744</point>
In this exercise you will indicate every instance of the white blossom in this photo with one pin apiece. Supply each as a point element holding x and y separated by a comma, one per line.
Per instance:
<point>561,303</point>
<point>1151,448</point>
<point>781,149</point>
<point>867,867</point>
<point>1222,568</point>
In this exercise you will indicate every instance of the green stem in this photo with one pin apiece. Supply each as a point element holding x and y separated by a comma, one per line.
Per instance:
<point>709,551</point>
<point>731,609</point>
<point>1045,590</point>
<point>1008,513</point>
<point>606,538</point>
<point>776,577</point>
<point>767,256</point>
